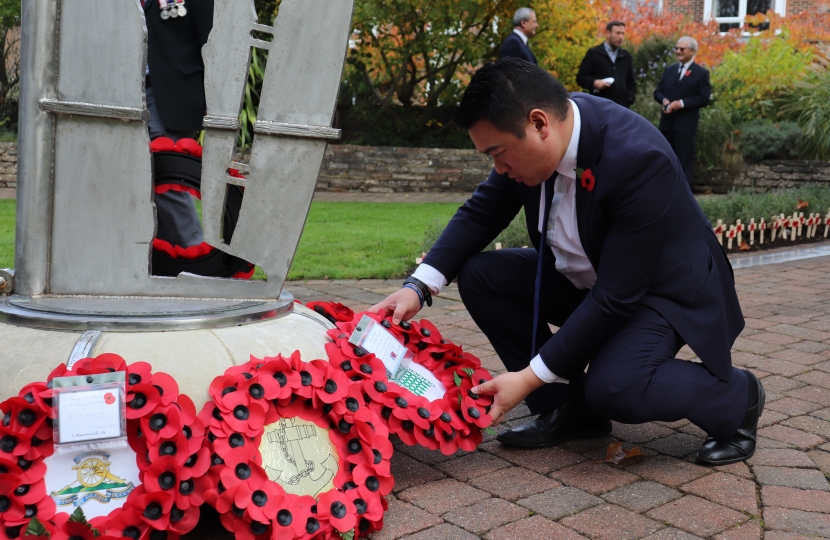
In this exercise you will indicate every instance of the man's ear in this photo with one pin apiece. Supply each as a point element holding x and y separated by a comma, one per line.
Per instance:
<point>541,122</point>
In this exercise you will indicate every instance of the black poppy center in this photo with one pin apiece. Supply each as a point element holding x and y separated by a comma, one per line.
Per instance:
<point>437,355</point>
<point>236,440</point>
<point>280,378</point>
<point>338,510</point>
<point>176,515</point>
<point>5,503</point>
<point>217,414</point>
<point>360,351</point>
<point>256,391</point>
<point>215,459</point>
<point>24,464</point>
<point>352,404</point>
<point>380,386</point>
<point>346,366</point>
<point>473,412</point>
<point>408,425</point>
<point>135,378</point>
<point>423,412</point>
<point>377,456</point>
<point>366,368</point>
<point>167,480</point>
<point>26,417</point>
<point>188,433</point>
<point>284,517</point>
<point>186,487</point>
<point>445,417</point>
<point>305,378</point>
<point>312,525</point>
<point>228,390</point>
<point>259,498</point>
<point>401,402</point>
<point>354,446</point>
<point>21,490</point>
<point>168,448</point>
<point>131,532</point>
<point>158,421</point>
<point>372,483</point>
<point>153,511</point>
<point>344,426</point>
<point>240,412</point>
<point>243,472</point>
<point>258,528</point>
<point>331,386</point>
<point>8,443</point>
<point>139,401</point>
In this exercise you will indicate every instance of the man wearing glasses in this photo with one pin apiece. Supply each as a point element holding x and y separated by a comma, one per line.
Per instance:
<point>682,91</point>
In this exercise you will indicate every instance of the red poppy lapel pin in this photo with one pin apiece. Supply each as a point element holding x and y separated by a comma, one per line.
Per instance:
<point>688,72</point>
<point>586,178</point>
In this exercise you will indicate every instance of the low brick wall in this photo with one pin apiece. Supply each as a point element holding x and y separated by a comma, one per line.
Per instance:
<point>384,169</point>
<point>8,165</point>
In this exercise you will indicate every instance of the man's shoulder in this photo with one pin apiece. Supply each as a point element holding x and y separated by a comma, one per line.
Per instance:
<point>699,67</point>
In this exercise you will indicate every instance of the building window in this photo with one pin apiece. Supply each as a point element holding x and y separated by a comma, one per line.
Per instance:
<point>731,13</point>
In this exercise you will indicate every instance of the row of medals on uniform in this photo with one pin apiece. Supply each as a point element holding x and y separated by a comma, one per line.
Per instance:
<point>170,9</point>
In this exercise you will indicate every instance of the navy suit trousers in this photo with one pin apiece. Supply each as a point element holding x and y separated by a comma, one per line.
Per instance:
<point>634,378</point>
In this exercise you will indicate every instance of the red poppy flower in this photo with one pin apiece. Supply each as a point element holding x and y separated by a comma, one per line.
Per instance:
<point>191,491</point>
<point>183,520</point>
<point>333,311</point>
<point>161,475</point>
<point>470,442</point>
<point>39,395</point>
<point>189,147</point>
<point>120,520</point>
<point>139,372</point>
<point>102,363</point>
<point>352,403</point>
<point>587,180</point>
<point>370,508</point>
<point>162,144</point>
<point>167,386</point>
<point>335,386</point>
<point>337,509</point>
<point>141,399</point>
<point>22,417</point>
<point>153,508</point>
<point>236,473</point>
<point>163,422</point>
<point>13,444</point>
<point>369,482</point>
<point>474,414</point>
<point>242,414</point>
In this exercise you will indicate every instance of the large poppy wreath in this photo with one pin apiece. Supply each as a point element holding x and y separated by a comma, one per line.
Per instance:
<point>163,431</point>
<point>296,452</point>
<point>454,421</point>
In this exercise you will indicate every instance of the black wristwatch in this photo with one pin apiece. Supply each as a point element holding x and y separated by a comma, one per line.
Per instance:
<point>425,292</point>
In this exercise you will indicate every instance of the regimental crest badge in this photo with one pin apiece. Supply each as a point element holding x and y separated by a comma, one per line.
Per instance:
<point>94,480</point>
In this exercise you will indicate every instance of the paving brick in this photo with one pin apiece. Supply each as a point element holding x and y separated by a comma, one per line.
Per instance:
<point>425,455</point>
<point>815,378</point>
<point>821,459</point>
<point>779,385</point>
<point>444,531</point>
<point>739,469</point>
<point>611,522</point>
<point>812,347</point>
<point>797,521</point>
<point>781,458</point>
<point>541,460</point>
<point>792,406</point>
<point>810,424</point>
<point>594,477</point>
<point>642,496</point>
<point>677,445</point>
<point>770,417</point>
<point>792,436</point>
<point>751,530</point>
<point>777,366</point>
<point>697,516</point>
<point>669,471</point>
<point>725,489</point>
<point>781,535</point>
<point>764,442</point>
<point>824,414</point>
<point>442,496</point>
<point>581,446</point>
<point>514,483</point>
<point>481,517</point>
<point>796,499</point>
<point>671,534</point>
<point>472,465</point>
<point>409,472</point>
<point>798,356</point>
<point>560,502</point>
<point>775,339</point>
<point>402,519</point>
<point>799,332</point>
<point>795,478</point>
<point>640,433</point>
<point>812,393</point>
<point>755,347</point>
<point>533,528</point>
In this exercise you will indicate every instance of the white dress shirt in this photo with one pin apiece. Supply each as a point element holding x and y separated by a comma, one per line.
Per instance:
<point>683,70</point>
<point>562,237</point>
<point>521,35</point>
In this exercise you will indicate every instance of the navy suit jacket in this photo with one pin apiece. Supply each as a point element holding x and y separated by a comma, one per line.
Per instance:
<point>514,47</point>
<point>174,54</point>
<point>695,90</point>
<point>642,230</point>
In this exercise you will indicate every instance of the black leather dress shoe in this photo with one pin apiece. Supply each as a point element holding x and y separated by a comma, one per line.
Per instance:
<point>742,444</point>
<point>569,421</point>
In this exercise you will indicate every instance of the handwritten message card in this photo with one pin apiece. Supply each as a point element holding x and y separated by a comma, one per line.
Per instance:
<point>89,415</point>
<point>377,340</point>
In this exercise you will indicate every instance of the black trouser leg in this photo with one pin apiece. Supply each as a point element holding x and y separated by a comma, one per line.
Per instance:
<point>497,288</point>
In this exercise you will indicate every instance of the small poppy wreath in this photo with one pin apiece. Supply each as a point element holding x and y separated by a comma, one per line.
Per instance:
<point>447,424</point>
<point>162,429</point>
<point>268,396</point>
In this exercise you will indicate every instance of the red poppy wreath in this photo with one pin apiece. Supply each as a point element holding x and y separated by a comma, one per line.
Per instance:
<point>431,404</point>
<point>296,452</point>
<point>163,431</point>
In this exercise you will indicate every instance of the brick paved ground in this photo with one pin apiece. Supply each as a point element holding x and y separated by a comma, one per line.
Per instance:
<point>782,493</point>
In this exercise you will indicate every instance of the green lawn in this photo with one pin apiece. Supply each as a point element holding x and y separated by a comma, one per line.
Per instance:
<point>341,240</point>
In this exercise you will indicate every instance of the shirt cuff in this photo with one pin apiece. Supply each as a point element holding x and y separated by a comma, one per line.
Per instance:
<point>681,104</point>
<point>431,277</point>
<point>541,370</point>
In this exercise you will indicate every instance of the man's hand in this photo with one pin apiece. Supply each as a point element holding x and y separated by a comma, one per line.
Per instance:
<point>509,389</point>
<point>599,84</point>
<point>403,304</point>
<point>673,106</point>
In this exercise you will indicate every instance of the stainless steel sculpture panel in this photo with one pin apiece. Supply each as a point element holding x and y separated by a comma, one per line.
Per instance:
<point>85,212</point>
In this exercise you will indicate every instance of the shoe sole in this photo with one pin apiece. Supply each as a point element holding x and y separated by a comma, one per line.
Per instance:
<point>596,433</point>
<point>762,399</point>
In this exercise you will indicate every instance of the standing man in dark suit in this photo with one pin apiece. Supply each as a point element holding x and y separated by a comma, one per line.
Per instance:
<point>626,266</point>
<point>682,91</point>
<point>524,28</point>
<point>607,69</point>
<point>175,93</point>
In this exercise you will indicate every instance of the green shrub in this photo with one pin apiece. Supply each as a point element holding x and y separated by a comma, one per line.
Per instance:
<point>514,236</point>
<point>714,133</point>
<point>746,204</point>
<point>763,139</point>
<point>807,105</point>
<point>649,61</point>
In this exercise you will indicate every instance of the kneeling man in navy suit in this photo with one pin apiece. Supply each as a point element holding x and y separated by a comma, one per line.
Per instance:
<point>626,265</point>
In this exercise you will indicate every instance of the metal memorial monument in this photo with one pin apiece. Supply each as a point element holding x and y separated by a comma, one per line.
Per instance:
<point>83,281</point>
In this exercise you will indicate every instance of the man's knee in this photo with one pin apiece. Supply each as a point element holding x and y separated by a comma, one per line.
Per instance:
<point>605,396</point>
<point>472,279</point>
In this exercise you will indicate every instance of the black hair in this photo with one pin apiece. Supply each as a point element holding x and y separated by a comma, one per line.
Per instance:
<point>504,93</point>
<point>612,24</point>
